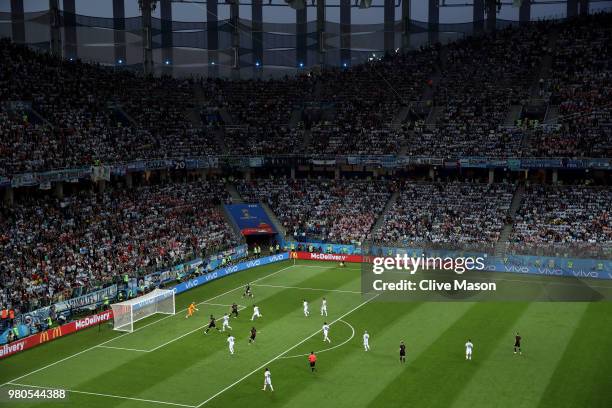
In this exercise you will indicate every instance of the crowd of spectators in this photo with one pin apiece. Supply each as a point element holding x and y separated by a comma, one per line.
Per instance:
<point>481,78</point>
<point>56,113</point>
<point>87,113</point>
<point>78,113</point>
<point>568,220</point>
<point>256,140</point>
<point>51,246</point>
<point>338,211</point>
<point>260,113</point>
<point>336,139</point>
<point>447,215</point>
<point>580,85</point>
<point>365,100</point>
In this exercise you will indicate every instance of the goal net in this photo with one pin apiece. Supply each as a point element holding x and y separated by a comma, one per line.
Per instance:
<point>125,314</point>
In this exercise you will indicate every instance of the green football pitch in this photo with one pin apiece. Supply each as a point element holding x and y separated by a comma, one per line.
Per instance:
<point>168,361</point>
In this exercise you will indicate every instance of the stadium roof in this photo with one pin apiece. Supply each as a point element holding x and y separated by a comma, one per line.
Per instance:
<point>257,37</point>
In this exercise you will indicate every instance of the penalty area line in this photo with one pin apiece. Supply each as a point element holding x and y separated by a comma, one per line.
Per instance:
<point>140,328</point>
<point>315,289</point>
<point>124,348</point>
<point>283,353</point>
<point>219,304</point>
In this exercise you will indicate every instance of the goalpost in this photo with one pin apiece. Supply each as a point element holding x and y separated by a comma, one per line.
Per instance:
<point>125,314</point>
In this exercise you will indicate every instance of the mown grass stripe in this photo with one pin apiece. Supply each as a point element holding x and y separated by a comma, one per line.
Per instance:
<point>582,378</point>
<point>546,329</point>
<point>436,376</point>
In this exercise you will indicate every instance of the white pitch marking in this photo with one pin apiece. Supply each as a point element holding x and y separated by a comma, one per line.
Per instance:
<point>124,348</point>
<point>283,353</point>
<point>140,328</point>
<point>104,395</point>
<point>218,304</point>
<point>177,338</point>
<point>329,348</point>
<point>317,289</point>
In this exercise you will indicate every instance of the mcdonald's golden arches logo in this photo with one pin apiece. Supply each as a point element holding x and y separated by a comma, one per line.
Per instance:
<point>57,332</point>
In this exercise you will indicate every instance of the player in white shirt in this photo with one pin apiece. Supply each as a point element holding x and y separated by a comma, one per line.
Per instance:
<point>255,313</point>
<point>306,312</point>
<point>267,380</point>
<point>324,307</point>
<point>226,322</point>
<point>366,340</point>
<point>468,349</point>
<point>230,342</point>
<point>326,332</point>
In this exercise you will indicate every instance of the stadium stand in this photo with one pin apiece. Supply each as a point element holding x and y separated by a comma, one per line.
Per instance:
<point>86,120</point>
<point>476,89</point>
<point>580,85</point>
<point>51,247</point>
<point>66,114</point>
<point>564,220</point>
<point>341,211</point>
<point>450,215</point>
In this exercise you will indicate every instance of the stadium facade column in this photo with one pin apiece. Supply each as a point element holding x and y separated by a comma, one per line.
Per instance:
<point>166,36</point>
<point>70,33</point>
<point>119,30</point>
<point>235,20</point>
<point>572,8</point>
<point>17,21</point>
<point>8,197</point>
<point>212,32</point>
<point>147,36</point>
<point>584,7</point>
<point>345,32</point>
<point>389,13</point>
<point>257,34</point>
<point>525,12</point>
<point>58,190</point>
<point>129,181</point>
<point>55,38</point>
<point>478,16</point>
<point>321,32</point>
<point>405,25</point>
<point>491,8</point>
<point>433,21</point>
<point>301,39</point>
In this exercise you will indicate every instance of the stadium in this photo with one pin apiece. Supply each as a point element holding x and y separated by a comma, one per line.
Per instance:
<point>292,203</point>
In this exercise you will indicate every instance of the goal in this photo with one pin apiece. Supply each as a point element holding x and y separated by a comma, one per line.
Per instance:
<point>125,314</point>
